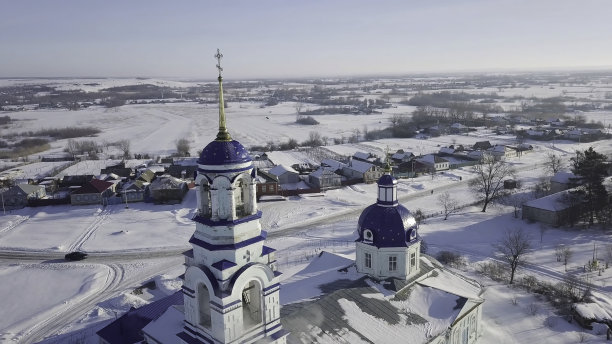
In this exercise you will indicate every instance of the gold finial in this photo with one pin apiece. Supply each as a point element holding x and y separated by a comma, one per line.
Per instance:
<point>223,134</point>
<point>388,168</point>
<point>219,56</point>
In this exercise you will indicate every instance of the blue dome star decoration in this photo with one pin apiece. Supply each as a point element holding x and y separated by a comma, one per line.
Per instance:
<point>224,153</point>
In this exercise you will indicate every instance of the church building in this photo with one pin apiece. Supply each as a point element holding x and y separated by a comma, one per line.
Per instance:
<point>390,292</point>
<point>231,284</point>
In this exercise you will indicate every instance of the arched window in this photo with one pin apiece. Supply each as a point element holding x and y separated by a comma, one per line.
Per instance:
<point>368,237</point>
<point>205,204</point>
<point>241,196</point>
<point>203,306</point>
<point>252,305</point>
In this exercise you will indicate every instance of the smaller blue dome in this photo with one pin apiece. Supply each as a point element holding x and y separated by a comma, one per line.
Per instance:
<point>390,226</point>
<point>387,180</point>
<point>224,153</point>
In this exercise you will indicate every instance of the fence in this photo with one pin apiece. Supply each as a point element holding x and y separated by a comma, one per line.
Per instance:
<point>48,201</point>
<point>298,192</point>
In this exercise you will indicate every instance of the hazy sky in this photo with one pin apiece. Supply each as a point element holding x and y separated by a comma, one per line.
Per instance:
<point>291,38</point>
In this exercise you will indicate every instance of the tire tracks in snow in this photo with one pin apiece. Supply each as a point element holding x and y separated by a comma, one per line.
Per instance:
<point>118,281</point>
<point>21,219</point>
<point>89,231</point>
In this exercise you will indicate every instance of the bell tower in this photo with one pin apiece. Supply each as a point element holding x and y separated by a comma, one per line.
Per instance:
<point>231,285</point>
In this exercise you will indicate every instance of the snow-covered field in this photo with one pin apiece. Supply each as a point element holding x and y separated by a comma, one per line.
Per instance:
<point>37,292</point>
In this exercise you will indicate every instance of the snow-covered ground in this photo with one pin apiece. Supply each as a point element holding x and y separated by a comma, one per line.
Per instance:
<point>300,228</point>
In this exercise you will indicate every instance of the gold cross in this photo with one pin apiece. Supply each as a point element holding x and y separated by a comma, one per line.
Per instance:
<point>218,56</point>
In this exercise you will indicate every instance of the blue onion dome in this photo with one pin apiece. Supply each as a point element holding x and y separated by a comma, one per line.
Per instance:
<point>387,226</point>
<point>387,180</point>
<point>224,153</point>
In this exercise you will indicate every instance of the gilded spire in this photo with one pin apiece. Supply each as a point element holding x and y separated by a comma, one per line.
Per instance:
<point>223,134</point>
<point>388,168</point>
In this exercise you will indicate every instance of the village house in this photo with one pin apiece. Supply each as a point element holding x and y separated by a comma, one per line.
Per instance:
<point>75,180</point>
<point>285,175</point>
<point>434,162</point>
<point>147,176</point>
<point>562,181</point>
<point>501,152</point>
<point>118,169</point>
<point>556,209</point>
<point>400,156</point>
<point>267,183</point>
<point>360,170</point>
<point>17,196</point>
<point>324,178</point>
<point>134,191</point>
<point>364,156</point>
<point>458,128</point>
<point>167,189</point>
<point>482,145</point>
<point>94,192</point>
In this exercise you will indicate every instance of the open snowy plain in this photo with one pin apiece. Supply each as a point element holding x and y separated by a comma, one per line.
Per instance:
<point>44,296</point>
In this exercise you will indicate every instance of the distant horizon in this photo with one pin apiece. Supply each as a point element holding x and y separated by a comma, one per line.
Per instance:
<point>275,39</point>
<point>508,71</point>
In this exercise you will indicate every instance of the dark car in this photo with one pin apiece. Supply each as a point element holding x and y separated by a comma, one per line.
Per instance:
<point>75,256</point>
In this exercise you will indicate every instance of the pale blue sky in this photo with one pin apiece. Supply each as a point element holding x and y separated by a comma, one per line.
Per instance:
<point>292,38</point>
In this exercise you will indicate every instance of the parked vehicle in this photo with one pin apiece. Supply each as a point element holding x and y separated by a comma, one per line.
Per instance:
<point>75,256</point>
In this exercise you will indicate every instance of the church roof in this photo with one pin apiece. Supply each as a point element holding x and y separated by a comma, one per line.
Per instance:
<point>350,307</point>
<point>127,329</point>
<point>224,153</point>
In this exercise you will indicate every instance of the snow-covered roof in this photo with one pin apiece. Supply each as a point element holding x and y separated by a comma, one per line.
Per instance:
<point>281,169</point>
<point>166,182</point>
<point>362,155</point>
<point>322,171</point>
<point>29,188</point>
<point>355,308</point>
<point>562,177</point>
<point>498,149</point>
<point>359,166</point>
<point>127,329</point>
<point>446,150</point>
<point>431,159</point>
<point>332,163</point>
<point>400,156</point>
<point>554,202</point>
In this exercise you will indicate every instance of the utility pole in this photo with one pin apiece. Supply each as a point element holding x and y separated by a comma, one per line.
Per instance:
<point>125,197</point>
<point>3,209</point>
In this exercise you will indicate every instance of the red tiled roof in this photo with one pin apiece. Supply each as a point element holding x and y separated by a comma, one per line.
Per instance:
<point>94,186</point>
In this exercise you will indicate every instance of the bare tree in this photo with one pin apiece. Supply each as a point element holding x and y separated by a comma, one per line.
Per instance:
<point>513,248</point>
<point>72,147</point>
<point>448,204</point>
<point>298,107</point>
<point>489,181</point>
<point>419,217</point>
<point>517,202</point>
<point>553,163</point>
<point>567,255</point>
<point>182,147</point>
<point>124,146</point>
<point>559,252</point>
